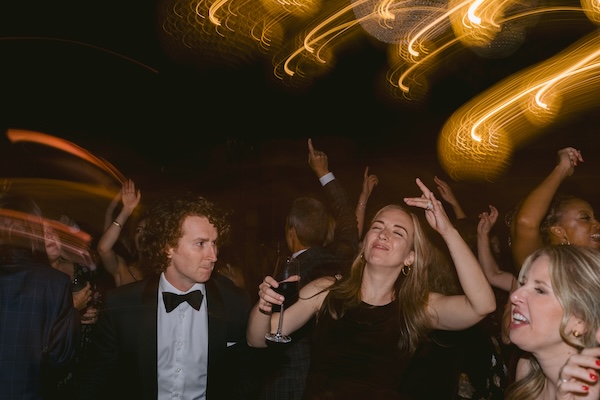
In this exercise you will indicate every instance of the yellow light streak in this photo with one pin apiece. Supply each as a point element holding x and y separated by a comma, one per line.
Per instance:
<point>492,125</point>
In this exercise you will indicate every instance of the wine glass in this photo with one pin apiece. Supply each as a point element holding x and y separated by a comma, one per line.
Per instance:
<point>289,290</point>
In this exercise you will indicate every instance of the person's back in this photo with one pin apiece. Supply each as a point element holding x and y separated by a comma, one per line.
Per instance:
<point>317,253</point>
<point>39,329</point>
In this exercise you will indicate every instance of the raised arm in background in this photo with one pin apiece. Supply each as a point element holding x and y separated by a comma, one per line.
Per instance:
<point>114,263</point>
<point>368,184</point>
<point>497,277</point>
<point>448,195</point>
<point>525,232</point>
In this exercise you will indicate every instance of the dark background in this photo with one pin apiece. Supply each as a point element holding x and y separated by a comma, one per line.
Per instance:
<point>99,75</point>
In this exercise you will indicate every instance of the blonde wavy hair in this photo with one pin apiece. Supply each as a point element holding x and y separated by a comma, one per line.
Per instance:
<point>411,291</point>
<point>575,277</point>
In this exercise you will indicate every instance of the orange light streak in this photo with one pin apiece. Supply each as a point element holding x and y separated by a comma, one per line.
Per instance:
<point>18,135</point>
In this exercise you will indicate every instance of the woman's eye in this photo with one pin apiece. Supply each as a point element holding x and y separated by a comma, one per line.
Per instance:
<point>540,291</point>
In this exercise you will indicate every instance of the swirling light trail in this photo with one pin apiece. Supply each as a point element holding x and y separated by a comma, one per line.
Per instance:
<point>18,135</point>
<point>477,141</point>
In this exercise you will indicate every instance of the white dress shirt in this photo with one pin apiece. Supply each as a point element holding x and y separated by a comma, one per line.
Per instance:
<point>182,347</point>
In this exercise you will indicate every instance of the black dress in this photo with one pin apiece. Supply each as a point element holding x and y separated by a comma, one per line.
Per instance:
<point>357,356</point>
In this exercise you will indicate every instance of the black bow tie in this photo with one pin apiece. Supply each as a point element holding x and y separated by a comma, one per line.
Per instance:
<point>172,300</point>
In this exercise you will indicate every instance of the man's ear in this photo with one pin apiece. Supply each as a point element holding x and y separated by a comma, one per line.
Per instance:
<point>291,238</point>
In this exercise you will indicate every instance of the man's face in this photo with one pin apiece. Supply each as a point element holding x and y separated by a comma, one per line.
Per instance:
<point>52,241</point>
<point>193,259</point>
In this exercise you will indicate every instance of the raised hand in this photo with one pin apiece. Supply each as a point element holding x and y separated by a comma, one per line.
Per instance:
<point>448,195</point>
<point>434,211</point>
<point>568,158</point>
<point>445,191</point>
<point>317,160</point>
<point>129,195</point>
<point>487,220</point>
<point>369,182</point>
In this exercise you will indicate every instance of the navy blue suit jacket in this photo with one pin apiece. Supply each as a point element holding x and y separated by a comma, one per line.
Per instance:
<point>39,328</point>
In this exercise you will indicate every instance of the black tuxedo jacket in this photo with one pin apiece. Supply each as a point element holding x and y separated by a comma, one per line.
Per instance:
<point>123,362</point>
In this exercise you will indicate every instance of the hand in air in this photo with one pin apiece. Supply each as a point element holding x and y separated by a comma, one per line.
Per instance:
<point>369,182</point>
<point>568,158</point>
<point>487,220</point>
<point>445,191</point>
<point>129,195</point>
<point>317,160</point>
<point>434,211</point>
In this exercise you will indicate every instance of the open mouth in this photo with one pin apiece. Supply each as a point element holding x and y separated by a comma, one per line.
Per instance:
<point>519,319</point>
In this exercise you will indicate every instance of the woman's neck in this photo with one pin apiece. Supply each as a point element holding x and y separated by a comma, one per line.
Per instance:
<point>551,365</point>
<point>377,287</point>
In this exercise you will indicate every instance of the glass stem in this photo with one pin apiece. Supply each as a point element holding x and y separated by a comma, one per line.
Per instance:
<point>280,321</point>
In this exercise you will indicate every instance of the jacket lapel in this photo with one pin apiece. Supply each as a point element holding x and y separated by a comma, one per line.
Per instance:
<point>216,325</point>
<point>147,338</point>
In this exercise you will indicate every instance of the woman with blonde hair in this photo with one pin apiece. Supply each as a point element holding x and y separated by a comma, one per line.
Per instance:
<point>555,314</point>
<point>371,322</point>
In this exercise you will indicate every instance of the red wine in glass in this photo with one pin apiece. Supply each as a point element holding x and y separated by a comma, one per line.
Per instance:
<point>289,290</point>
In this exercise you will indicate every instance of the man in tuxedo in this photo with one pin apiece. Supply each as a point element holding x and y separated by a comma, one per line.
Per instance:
<point>39,326</point>
<point>317,253</point>
<point>181,333</point>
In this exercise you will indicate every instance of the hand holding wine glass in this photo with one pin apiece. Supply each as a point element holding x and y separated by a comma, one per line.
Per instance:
<point>287,285</point>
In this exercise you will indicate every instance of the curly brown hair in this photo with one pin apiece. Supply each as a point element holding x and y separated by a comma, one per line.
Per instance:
<point>164,220</point>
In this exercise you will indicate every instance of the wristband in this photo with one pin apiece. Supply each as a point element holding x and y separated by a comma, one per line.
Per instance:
<point>117,224</point>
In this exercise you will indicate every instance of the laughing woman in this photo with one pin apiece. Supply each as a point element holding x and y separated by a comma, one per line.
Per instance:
<point>555,314</point>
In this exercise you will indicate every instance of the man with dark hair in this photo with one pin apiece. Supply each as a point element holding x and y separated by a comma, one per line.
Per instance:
<point>39,326</point>
<point>180,333</point>
<point>323,241</point>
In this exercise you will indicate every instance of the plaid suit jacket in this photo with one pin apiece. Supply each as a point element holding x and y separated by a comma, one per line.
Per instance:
<point>39,328</point>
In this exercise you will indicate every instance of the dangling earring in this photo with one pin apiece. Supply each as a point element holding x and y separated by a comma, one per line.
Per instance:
<point>362,257</point>
<point>576,333</point>
<point>406,270</point>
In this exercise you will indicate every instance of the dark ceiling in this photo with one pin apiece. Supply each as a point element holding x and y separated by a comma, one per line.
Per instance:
<point>96,74</point>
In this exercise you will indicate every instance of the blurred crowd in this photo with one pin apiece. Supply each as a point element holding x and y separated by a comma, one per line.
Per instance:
<point>421,300</point>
